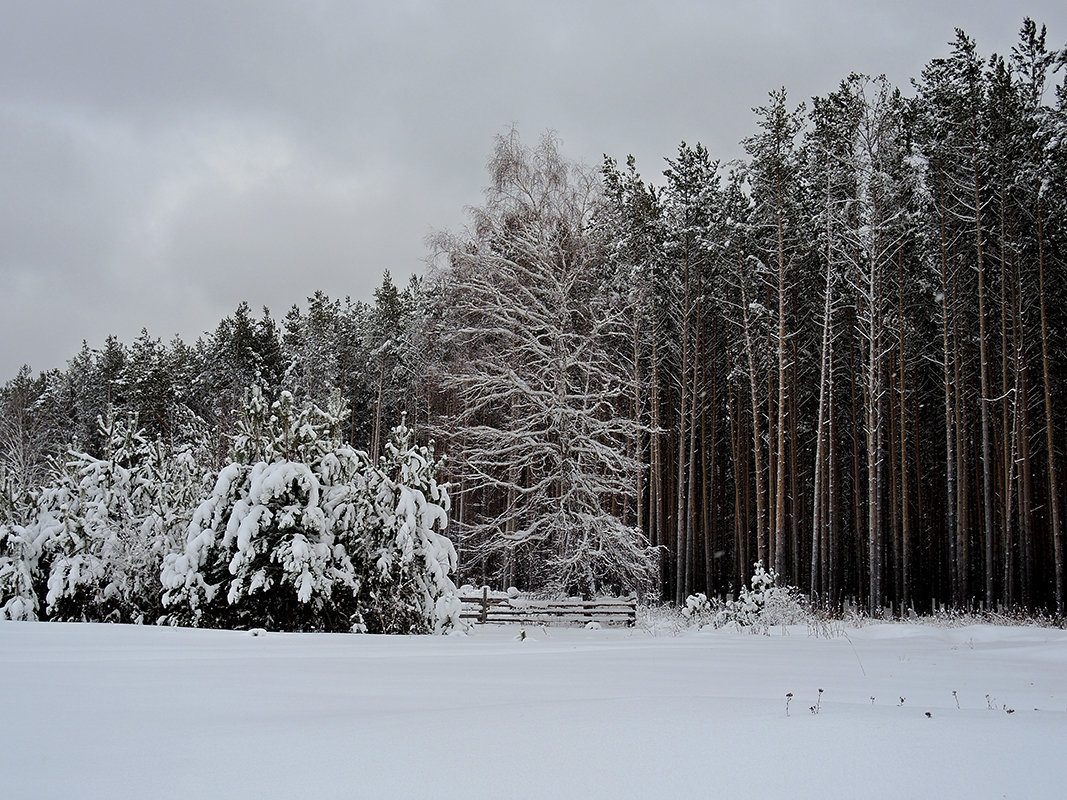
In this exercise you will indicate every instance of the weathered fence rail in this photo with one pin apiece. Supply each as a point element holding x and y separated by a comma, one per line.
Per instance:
<point>498,608</point>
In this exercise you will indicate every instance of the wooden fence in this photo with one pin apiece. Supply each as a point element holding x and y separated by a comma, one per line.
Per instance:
<point>487,607</point>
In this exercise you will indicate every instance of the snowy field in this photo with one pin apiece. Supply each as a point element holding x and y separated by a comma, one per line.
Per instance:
<point>108,711</point>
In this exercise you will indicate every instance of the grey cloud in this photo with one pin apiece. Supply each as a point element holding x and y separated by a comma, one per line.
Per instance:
<point>55,200</point>
<point>289,233</point>
<point>160,162</point>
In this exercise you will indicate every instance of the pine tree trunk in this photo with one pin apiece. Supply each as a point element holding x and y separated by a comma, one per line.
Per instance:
<point>757,439</point>
<point>905,511</point>
<point>855,581</point>
<point>873,445</point>
<point>681,523</point>
<point>1050,439</point>
<point>795,501</point>
<point>986,399</point>
<point>779,483</point>
<point>690,520</point>
<point>963,551</point>
<point>376,433</point>
<point>951,489</point>
<point>639,440</point>
<point>830,557</point>
<point>657,499</point>
<point>1008,422</point>
<point>817,515</point>
<point>893,586</point>
<point>738,454</point>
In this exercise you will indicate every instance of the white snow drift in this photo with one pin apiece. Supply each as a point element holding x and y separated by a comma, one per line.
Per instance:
<point>111,711</point>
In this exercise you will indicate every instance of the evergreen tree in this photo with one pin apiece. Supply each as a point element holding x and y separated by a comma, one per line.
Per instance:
<point>629,225</point>
<point>407,559</point>
<point>301,532</point>
<point>94,538</point>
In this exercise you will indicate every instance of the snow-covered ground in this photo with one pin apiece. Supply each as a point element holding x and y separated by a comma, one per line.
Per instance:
<point>112,711</point>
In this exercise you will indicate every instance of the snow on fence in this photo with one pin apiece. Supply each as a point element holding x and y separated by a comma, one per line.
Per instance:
<point>501,607</point>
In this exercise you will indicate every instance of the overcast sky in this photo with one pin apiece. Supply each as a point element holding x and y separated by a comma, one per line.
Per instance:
<point>161,162</point>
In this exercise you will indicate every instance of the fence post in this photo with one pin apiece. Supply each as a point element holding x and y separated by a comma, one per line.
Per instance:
<point>485,604</point>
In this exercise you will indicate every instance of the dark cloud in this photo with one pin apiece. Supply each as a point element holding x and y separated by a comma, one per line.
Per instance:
<point>161,162</point>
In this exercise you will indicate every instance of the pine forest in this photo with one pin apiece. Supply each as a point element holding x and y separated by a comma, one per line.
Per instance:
<point>843,355</point>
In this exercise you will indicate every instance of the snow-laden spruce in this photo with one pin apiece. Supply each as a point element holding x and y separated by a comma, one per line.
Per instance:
<point>88,546</point>
<point>302,532</point>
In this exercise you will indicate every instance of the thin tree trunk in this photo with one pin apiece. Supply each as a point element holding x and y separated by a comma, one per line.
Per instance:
<point>757,439</point>
<point>779,483</point>
<point>905,511</point>
<point>690,521</point>
<point>830,558</point>
<point>983,365</point>
<point>795,508</point>
<point>681,523</point>
<point>1008,422</point>
<point>951,488</point>
<point>639,442</point>
<point>1050,439</point>
<point>656,502</point>
<point>817,531</point>
<point>376,434</point>
<point>963,508</point>
<point>855,582</point>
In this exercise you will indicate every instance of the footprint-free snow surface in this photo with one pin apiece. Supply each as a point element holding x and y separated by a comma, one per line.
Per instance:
<point>112,711</point>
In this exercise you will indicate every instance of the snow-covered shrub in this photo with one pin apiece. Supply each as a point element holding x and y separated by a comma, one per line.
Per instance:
<point>86,530</point>
<point>766,604</point>
<point>94,538</point>
<point>699,610</point>
<point>17,591</point>
<point>301,532</point>
<point>665,618</point>
<point>696,604</point>
<point>407,584</point>
<point>758,608</point>
<point>18,600</point>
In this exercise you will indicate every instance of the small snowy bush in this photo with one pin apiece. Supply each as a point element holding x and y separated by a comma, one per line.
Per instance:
<point>766,604</point>
<point>758,608</point>
<point>699,610</point>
